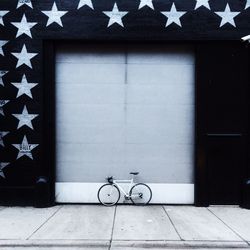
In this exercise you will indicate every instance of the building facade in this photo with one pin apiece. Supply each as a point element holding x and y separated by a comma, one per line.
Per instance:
<point>93,88</point>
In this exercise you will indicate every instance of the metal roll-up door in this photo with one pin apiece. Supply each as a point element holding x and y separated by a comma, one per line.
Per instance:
<point>121,109</point>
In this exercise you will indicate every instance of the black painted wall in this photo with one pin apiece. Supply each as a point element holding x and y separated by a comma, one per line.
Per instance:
<point>222,122</point>
<point>222,108</point>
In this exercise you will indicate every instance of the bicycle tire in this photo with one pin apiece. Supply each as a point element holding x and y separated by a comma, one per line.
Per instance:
<point>138,192</point>
<point>104,195</point>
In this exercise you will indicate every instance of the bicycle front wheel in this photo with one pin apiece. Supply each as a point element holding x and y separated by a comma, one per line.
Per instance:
<point>140,194</point>
<point>108,195</point>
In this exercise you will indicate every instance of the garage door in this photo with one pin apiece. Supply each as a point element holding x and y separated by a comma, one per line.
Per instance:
<point>121,109</point>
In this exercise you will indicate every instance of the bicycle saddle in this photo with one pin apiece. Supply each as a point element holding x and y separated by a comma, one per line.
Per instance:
<point>134,173</point>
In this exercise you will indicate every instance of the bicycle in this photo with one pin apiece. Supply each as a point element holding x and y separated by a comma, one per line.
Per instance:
<point>109,194</point>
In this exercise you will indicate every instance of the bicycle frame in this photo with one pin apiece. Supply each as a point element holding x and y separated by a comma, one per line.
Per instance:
<point>131,184</point>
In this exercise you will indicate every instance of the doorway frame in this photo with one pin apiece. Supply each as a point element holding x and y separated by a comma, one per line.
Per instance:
<point>201,192</point>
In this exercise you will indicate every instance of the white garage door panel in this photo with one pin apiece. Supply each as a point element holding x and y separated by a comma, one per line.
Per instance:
<point>92,134</point>
<point>91,73</point>
<point>89,93</point>
<point>160,55</point>
<point>147,133</point>
<point>148,94</point>
<point>162,153</point>
<point>159,134</point>
<point>134,152</point>
<point>106,153</point>
<point>86,113</point>
<point>90,175</point>
<point>84,54</point>
<point>158,114</point>
<point>176,171</point>
<point>122,109</point>
<point>157,74</point>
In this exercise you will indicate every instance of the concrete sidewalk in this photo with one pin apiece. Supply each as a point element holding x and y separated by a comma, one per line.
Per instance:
<point>124,227</point>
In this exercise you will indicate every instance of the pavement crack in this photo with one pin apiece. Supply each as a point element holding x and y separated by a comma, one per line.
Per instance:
<point>228,226</point>
<point>172,223</point>
<point>112,232</point>
<point>44,222</point>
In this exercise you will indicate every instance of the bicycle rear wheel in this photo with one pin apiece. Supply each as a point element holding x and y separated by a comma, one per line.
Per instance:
<point>108,195</point>
<point>140,194</point>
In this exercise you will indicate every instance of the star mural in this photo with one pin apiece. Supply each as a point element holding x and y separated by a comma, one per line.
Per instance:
<point>2,43</point>
<point>115,16</point>
<point>85,2</point>
<point>2,73</point>
<point>2,103</point>
<point>200,3</point>
<point>24,57</point>
<point>173,16</point>
<point>24,87</point>
<point>25,118</point>
<point>2,135</point>
<point>247,4</point>
<point>2,166</point>
<point>24,2</point>
<point>25,23</point>
<point>23,27</point>
<point>227,16</point>
<point>54,15</point>
<point>25,148</point>
<point>2,14</point>
<point>148,3</point>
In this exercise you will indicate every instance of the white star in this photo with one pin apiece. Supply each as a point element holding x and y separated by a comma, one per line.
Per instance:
<point>200,3</point>
<point>85,2</point>
<point>148,3</point>
<point>54,15</point>
<point>24,57</point>
<point>2,103</point>
<point>25,118</point>
<point>2,43</point>
<point>2,166</point>
<point>2,134</point>
<point>25,148</point>
<point>115,16</point>
<point>247,4</point>
<point>2,14</point>
<point>23,27</point>
<point>227,16</point>
<point>2,73</point>
<point>173,15</point>
<point>24,87</point>
<point>26,2</point>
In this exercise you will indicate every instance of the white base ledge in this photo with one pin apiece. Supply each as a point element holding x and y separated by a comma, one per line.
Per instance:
<point>73,192</point>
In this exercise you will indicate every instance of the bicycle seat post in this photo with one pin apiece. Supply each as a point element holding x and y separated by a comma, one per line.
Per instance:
<point>133,174</point>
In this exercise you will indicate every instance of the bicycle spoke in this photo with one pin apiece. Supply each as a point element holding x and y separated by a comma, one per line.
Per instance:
<point>108,195</point>
<point>140,194</point>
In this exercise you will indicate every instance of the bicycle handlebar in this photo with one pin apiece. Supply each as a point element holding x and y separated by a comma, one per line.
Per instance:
<point>110,179</point>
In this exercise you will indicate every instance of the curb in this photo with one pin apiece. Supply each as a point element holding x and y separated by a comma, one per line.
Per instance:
<point>55,243</point>
<point>125,244</point>
<point>181,244</point>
